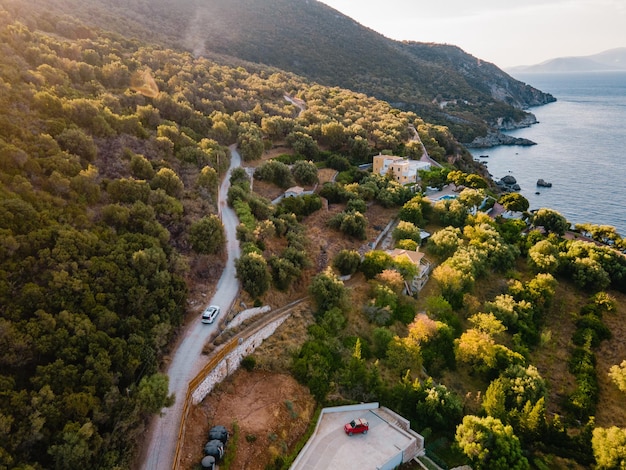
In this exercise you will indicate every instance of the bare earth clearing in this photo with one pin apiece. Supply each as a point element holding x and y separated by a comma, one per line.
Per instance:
<point>272,411</point>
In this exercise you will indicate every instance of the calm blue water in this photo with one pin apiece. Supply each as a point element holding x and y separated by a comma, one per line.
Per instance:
<point>581,149</point>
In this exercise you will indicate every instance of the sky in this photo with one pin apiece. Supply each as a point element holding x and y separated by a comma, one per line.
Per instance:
<point>505,32</point>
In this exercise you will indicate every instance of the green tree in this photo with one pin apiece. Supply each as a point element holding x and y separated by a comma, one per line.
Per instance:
<point>352,223</point>
<point>314,366</point>
<point>76,141</point>
<point>445,242</point>
<point>252,272</point>
<point>609,447</point>
<point>167,180</point>
<point>77,447</point>
<point>543,257</point>
<point>618,375</point>
<point>489,444</point>
<point>508,395</point>
<point>476,348</point>
<point>407,231</point>
<point>275,172</point>
<point>514,202</point>
<point>589,274</point>
<point>250,141</point>
<point>141,167</point>
<point>207,235</point>
<point>303,144</point>
<point>347,262</point>
<point>375,262</point>
<point>381,337</point>
<point>152,394</point>
<point>333,135</point>
<point>404,356</point>
<point>471,198</point>
<point>207,182</point>
<point>304,172</point>
<point>453,282</point>
<point>551,221</point>
<point>283,272</point>
<point>328,291</point>
<point>337,162</point>
<point>436,405</point>
<point>414,210</point>
<point>276,127</point>
<point>450,212</point>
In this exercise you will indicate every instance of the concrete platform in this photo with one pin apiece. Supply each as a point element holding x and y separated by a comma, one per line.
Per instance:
<point>388,443</point>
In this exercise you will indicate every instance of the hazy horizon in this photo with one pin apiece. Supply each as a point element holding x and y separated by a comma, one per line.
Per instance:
<point>505,33</point>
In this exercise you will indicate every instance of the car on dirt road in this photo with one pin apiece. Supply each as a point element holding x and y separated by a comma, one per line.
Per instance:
<point>356,426</point>
<point>210,314</point>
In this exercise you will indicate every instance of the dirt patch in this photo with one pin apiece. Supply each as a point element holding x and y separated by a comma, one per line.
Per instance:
<point>552,358</point>
<point>611,410</point>
<point>272,411</point>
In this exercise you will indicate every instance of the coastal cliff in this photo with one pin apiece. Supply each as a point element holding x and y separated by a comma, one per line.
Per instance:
<point>495,138</point>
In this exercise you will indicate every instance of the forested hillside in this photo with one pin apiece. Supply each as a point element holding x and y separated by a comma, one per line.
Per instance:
<point>111,152</point>
<point>441,83</point>
<point>110,156</point>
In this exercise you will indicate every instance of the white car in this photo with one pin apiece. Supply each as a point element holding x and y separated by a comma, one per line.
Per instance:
<point>210,314</point>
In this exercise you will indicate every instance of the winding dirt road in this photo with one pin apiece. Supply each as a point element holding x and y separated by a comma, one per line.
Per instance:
<point>187,360</point>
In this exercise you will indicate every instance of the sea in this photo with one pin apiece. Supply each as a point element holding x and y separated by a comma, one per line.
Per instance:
<point>581,148</point>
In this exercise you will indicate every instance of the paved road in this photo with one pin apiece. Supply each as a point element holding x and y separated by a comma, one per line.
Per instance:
<point>187,359</point>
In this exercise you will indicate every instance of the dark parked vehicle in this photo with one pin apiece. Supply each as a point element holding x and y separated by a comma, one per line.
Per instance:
<point>220,433</point>
<point>208,463</point>
<point>214,448</point>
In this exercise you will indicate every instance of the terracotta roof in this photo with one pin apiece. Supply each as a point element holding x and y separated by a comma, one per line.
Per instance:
<point>295,189</point>
<point>414,256</point>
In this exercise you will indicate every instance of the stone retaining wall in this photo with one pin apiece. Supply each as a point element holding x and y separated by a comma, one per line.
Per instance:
<point>232,361</point>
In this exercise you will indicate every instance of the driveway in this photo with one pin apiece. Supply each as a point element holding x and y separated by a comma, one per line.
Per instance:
<point>187,359</point>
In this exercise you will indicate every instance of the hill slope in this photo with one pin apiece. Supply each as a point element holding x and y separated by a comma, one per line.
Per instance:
<point>311,39</point>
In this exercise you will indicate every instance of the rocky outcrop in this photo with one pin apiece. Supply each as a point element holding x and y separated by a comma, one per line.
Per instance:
<point>508,183</point>
<point>493,139</point>
<point>544,184</point>
<point>508,124</point>
<point>508,179</point>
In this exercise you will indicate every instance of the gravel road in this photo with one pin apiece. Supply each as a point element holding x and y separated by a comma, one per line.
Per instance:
<point>187,360</point>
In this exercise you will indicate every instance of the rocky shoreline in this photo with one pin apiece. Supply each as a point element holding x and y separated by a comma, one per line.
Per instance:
<point>495,138</point>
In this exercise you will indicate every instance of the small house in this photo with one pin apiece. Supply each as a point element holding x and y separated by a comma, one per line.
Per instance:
<point>294,191</point>
<point>419,260</point>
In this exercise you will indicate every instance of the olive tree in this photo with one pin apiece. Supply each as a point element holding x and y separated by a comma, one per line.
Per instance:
<point>543,257</point>
<point>609,447</point>
<point>347,262</point>
<point>207,235</point>
<point>551,221</point>
<point>490,444</point>
<point>617,373</point>
<point>252,272</point>
<point>406,231</point>
<point>514,202</point>
<point>304,172</point>
<point>328,291</point>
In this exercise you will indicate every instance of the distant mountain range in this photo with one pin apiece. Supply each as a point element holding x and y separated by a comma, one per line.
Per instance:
<point>607,61</point>
<point>441,83</point>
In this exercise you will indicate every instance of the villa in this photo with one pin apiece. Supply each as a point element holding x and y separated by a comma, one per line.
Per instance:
<point>404,171</point>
